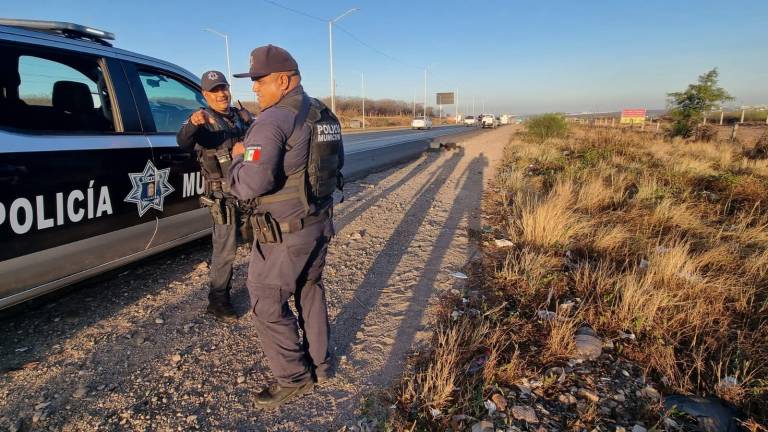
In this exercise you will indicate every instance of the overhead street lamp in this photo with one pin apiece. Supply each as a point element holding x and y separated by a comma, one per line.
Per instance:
<point>425,94</point>
<point>330,54</point>
<point>226,44</point>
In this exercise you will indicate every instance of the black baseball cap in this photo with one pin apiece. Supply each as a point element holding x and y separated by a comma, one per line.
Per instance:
<point>212,79</point>
<point>269,59</point>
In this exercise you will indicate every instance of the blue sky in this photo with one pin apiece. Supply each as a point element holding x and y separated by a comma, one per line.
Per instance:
<point>513,56</point>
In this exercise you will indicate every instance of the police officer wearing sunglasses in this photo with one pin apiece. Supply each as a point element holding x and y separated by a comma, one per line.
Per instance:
<point>287,169</point>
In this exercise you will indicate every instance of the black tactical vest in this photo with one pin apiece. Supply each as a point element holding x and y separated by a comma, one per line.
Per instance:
<point>215,162</point>
<point>315,183</point>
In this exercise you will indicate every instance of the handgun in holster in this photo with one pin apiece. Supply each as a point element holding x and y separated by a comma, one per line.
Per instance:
<point>246,229</point>
<point>222,213</point>
<point>266,229</point>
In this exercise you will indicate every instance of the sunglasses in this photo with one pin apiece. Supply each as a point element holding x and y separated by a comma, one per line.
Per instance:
<point>289,75</point>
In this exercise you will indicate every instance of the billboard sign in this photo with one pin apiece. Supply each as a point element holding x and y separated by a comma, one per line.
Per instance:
<point>445,98</point>
<point>633,116</point>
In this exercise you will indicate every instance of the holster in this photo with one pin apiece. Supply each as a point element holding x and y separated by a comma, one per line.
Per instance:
<point>246,228</point>
<point>265,228</point>
<point>221,212</point>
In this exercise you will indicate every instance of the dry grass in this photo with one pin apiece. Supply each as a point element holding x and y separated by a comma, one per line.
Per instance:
<point>433,387</point>
<point>547,221</point>
<point>560,341</point>
<point>683,270</point>
<point>664,239</point>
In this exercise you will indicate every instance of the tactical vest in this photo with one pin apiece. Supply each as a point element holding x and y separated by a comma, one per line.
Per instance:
<point>315,183</point>
<point>216,162</point>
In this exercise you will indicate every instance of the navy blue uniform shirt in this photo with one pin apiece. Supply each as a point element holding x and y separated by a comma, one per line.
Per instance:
<point>283,152</point>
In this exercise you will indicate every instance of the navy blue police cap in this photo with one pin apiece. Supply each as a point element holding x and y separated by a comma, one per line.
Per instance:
<point>212,79</point>
<point>269,59</point>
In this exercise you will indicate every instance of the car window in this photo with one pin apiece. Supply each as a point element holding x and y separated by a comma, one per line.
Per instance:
<point>39,76</point>
<point>53,92</point>
<point>170,100</point>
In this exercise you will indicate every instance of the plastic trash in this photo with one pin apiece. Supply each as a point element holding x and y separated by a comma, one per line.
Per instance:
<point>459,275</point>
<point>710,414</point>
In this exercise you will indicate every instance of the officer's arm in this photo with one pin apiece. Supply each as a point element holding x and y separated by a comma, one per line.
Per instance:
<point>186,136</point>
<point>251,179</point>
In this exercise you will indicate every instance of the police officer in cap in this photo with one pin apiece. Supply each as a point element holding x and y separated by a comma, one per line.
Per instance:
<point>288,169</point>
<point>211,133</point>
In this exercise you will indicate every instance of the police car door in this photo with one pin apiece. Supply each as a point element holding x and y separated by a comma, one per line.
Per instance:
<point>69,137</point>
<point>165,100</point>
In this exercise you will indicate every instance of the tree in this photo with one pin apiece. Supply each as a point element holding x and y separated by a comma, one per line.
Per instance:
<point>688,107</point>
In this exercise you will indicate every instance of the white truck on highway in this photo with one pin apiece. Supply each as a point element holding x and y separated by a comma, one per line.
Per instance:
<point>489,121</point>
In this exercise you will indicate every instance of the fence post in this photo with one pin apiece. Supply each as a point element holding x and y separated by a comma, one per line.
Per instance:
<point>722,113</point>
<point>742,116</point>
<point>658,125</point>
<point>733,132</point>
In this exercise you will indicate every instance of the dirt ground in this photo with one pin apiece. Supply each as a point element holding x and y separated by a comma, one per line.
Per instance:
<point>133,351</point>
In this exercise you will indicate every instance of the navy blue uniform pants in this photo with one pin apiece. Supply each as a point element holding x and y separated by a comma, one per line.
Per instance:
<point>277,273</point>
<point>224,241</point>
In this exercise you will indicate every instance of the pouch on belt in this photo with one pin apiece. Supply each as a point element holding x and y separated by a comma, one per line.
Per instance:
<point>266,229</point>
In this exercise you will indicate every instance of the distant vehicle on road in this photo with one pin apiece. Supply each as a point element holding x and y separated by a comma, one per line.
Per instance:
<point>507,119</point>
<point>470,121</point>
<point>421,123</point>
<point>489,121</point>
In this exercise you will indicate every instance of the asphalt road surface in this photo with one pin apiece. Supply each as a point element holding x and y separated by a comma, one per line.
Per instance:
<point>370,151</point>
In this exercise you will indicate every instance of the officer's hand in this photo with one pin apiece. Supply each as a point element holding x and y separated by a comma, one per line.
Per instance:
<point>238,149</point>
<point>201,117</point>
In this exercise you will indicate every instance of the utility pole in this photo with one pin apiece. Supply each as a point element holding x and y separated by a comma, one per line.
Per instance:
<point>330,55</point>
<point>362,81</point>
<point>473,106</point>
<point>414,103</point>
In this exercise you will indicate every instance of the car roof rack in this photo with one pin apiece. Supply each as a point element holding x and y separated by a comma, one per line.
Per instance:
<point>70,30</point>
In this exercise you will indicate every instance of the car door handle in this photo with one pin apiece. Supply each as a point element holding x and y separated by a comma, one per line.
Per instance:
<point>175,157</point>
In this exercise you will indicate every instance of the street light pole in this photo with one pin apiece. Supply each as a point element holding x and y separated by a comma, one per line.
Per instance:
<point>226,44</point>
<point>457,106</point>
<point>362,82</point>
<point>330,55</point>
<point>425,94</point>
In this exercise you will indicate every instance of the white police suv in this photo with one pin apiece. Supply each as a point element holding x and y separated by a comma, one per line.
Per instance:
<point>91,177</point>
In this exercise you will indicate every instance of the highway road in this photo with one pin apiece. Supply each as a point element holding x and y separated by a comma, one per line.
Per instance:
<point>370,151</point>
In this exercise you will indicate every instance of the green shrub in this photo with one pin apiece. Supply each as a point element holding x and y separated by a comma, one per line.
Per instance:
<point>545,126</point>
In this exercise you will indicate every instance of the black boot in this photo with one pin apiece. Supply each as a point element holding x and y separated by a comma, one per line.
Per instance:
<point>275,395</point>
<point>221,308</point>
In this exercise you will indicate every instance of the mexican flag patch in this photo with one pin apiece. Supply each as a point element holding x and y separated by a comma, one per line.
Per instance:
<point>252,154</point>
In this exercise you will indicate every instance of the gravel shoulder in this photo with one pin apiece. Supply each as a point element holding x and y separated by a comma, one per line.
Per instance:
<point>133,351</point>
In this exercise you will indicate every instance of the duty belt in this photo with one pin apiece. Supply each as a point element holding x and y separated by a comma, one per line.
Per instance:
<point>299,224</point>
<point>268,230</point>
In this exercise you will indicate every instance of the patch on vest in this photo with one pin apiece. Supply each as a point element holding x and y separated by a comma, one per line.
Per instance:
<point>328,132</point>
<point>252,154</point>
